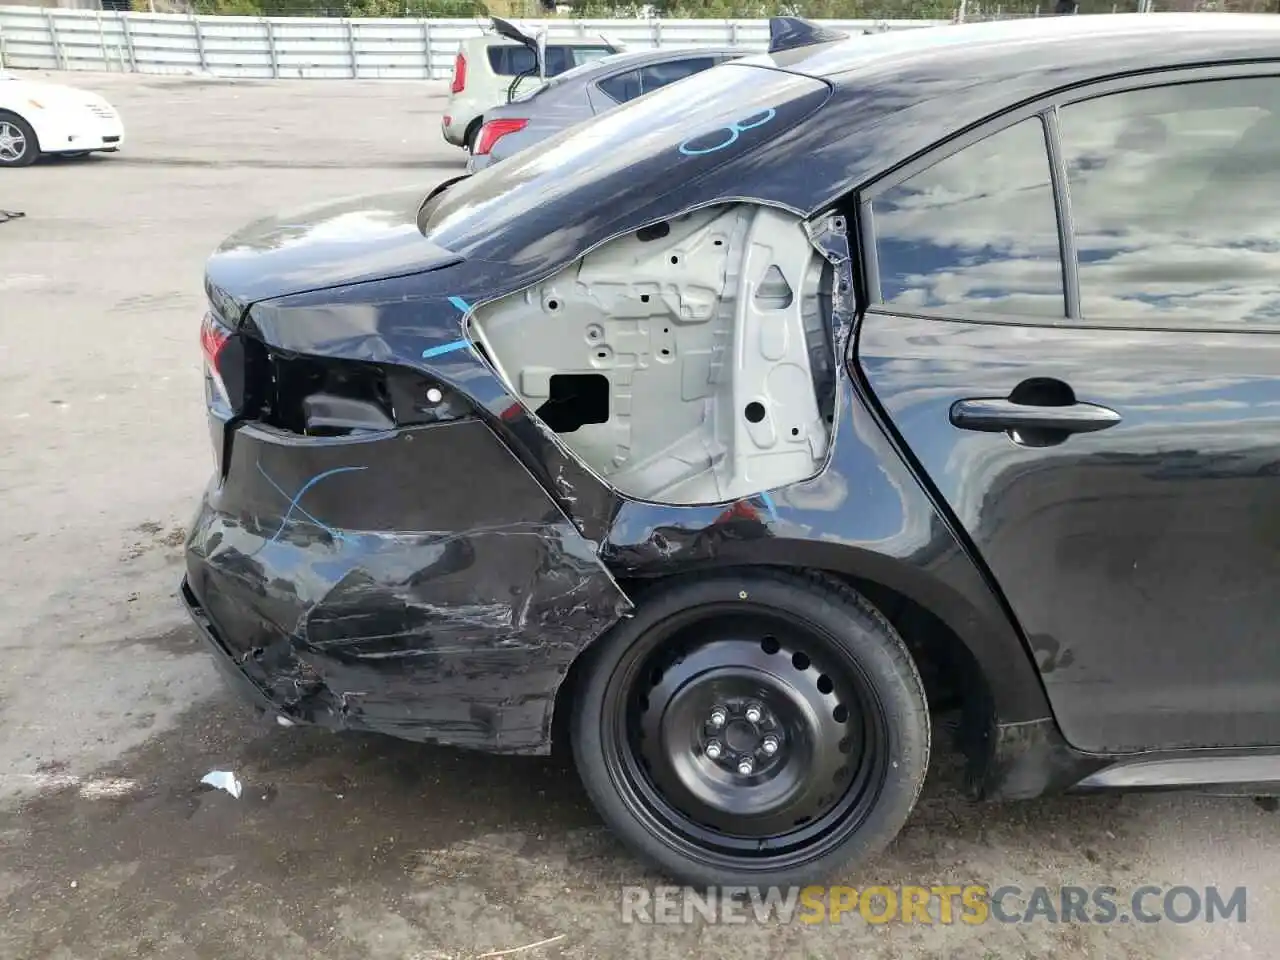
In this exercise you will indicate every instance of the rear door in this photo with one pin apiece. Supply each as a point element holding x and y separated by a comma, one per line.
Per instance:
<point>1074,326</point>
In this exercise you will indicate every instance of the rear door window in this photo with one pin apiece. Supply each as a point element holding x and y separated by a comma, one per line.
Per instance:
<point>977,231</point>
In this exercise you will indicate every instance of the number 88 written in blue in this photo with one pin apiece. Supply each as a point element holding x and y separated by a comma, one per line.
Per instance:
<point>729,133</point>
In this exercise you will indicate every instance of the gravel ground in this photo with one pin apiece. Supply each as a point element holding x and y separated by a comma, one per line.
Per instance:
<point>354,847</point>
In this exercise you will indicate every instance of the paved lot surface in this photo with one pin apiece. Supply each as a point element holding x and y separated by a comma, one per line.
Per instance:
<point>348,847</point>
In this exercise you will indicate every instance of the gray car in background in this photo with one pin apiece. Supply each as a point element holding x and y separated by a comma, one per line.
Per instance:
<point>584,92</point>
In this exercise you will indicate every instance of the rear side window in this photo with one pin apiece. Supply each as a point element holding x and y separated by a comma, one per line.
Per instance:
<point>1175,197</point>
<point>634,83</point>
<point>509,60</point>
<point>621,87</point>
<point>660,74</point>
<point>977,231</point>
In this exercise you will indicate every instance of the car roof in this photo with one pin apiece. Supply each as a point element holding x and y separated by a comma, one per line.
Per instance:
<point>897,94</point>
<point>1060,44</point>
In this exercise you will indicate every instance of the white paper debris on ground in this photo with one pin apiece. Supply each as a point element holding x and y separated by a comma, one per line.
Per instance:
<point>223,780</point>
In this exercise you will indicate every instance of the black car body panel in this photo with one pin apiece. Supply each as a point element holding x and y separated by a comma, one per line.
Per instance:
<point>331,244</point>
<point>1115,548</point>
<point>450,604</point>
<point>864,516</point>
<point>359,584</point>
<point>643,161</point>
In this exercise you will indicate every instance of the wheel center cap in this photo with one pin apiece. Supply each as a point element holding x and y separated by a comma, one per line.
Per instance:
<point>740,736</point>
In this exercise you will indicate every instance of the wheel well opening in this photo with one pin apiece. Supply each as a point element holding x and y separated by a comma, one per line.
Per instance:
<point>958,693</point>
<point>951,674</point>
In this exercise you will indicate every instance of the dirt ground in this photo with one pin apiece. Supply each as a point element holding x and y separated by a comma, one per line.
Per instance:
<point>355,847</point>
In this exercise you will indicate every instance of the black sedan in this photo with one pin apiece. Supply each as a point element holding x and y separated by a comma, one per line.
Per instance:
<point>726,437</point>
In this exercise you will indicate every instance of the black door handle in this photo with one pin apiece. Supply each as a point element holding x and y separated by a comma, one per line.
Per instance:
<point>998,415</point>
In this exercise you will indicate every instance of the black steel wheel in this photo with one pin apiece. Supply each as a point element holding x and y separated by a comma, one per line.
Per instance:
<point>756,728</point>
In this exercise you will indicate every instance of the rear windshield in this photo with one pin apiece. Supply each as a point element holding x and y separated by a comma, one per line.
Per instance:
<point>625,157</point>
<point>509,60</point>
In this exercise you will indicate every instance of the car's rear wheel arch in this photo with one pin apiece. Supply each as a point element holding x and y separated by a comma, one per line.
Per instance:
<point>756,637</point>
<point>983,679</point>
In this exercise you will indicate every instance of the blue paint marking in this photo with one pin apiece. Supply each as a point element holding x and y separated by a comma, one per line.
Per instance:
<point>295,501</point>
<point>441,350</point>
<point>445,348</point>
<point>735,130</point>
<point>770,505</point>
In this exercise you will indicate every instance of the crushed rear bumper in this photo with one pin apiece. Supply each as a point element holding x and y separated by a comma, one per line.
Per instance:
<point>232,670</point>
<point>419,583</point>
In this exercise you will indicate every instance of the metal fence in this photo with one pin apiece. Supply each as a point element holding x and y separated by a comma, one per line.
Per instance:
<point>299,47</point>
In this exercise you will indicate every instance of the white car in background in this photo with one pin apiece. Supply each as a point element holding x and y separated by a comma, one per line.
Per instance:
<point>490,70</point>
<point>39,118</point>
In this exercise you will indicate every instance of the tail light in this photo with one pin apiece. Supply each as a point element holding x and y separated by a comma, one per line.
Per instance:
<point>232,371</point>
<point>214,337</point>
<point>495,130</point>
<point>459,73</point>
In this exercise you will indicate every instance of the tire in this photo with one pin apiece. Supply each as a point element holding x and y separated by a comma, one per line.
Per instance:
<point>830,677</point>
<point>14,127</point>
<point>473,131</point>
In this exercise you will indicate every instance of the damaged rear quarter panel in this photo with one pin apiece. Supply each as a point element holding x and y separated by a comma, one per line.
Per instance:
<point>443,594</point>
<point>853,517</point>
<point>364,584</point>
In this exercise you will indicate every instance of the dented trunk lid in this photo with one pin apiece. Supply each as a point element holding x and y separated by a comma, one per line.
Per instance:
<point>353,240</point>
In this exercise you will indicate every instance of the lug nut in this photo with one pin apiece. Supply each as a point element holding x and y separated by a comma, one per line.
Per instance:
<point>719,717</point>
<point>754,713</point>
<point>770,745</point>
<point>745,766</point>
<point>714,750</point>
